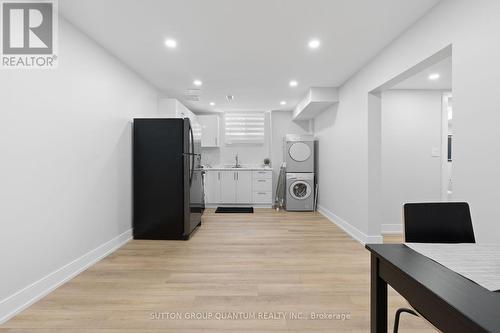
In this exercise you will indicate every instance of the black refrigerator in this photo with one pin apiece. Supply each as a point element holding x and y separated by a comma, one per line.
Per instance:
<point>168,180</point>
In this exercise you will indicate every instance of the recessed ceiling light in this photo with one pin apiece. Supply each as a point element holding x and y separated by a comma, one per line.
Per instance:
<point>171,43</point>
<point>434,76</point>
<point>197,83</point>
<point>212,103</point>
<point>314,43</point>
<point>283,103</point>
<point>293,83</point>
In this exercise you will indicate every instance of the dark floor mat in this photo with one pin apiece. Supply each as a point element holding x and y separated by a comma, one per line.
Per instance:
<point>234,210</point>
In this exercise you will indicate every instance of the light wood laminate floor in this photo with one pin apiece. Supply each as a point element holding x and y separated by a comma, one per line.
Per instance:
<point>261,263</point>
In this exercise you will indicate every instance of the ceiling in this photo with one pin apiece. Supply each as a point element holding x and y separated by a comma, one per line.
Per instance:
<point>248,48</point>
<point>421,80</point>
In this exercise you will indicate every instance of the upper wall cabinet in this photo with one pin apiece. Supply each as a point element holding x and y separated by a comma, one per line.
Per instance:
<point>209,130</point>
<point>172,108</point>
<point>316,101</point>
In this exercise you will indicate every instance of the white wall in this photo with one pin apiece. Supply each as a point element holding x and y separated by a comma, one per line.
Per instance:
<point>342,161</point>
<point>247,153</point>
<point>411,128</point>
<point>65,170</point>
<point>473,28</point>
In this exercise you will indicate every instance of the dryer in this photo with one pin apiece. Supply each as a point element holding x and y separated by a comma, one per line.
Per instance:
<point>299,153</point>
<point>300,191</point>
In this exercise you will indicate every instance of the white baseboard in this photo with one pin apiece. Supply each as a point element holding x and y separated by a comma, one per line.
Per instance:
<point>391,229</point>
<point>349,228</point>
<point>22,299</point>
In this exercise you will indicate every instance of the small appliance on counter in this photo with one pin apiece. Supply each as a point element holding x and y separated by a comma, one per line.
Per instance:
<point>168,182</point>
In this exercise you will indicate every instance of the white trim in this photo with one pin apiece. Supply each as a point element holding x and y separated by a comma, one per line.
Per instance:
<point>12,305</point>
<point>349,228</point>
<point>445,196</point>
<point>239,205</point>
<point>391,229</point>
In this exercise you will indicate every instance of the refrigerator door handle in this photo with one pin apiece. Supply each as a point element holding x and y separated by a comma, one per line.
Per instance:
<point>191,153</point>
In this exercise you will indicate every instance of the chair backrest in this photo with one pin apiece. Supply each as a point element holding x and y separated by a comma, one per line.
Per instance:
<point>438,222</point>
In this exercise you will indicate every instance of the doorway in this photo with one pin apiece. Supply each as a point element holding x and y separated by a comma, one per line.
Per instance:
<point>415,139</point>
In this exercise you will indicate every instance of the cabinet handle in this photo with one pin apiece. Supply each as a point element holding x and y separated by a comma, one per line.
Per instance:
<point>218,175</point>
<point>237,176</point>
<point>261,180</point>
<point>263,193</point>
<point>216,141</point>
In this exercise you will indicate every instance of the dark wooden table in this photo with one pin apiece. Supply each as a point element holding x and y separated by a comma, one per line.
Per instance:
<point>451,302</point>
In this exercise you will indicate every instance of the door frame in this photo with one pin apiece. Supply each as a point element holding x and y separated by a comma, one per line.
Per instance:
<point>444,146</point>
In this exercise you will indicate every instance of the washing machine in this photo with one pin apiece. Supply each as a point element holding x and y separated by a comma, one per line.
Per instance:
<point>300,191</point>
<point>299,153</point>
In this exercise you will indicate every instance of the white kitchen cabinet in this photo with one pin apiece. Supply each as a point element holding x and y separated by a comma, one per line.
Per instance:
<point>228,186</point>
<point>172,108</point>
<point>263,174</point>
<point>213,187</point>
<point>262,198</point>
<point>244,187</point>
<point>209,130</point>
<point>262,186</point>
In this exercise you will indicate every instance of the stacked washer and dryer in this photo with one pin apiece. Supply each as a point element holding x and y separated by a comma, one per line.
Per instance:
<point>300,181</point>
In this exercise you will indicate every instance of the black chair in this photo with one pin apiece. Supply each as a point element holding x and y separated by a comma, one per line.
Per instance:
<point>436,222</point>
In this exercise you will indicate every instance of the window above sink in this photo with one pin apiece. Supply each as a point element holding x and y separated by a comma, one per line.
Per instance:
<point>244,128</point>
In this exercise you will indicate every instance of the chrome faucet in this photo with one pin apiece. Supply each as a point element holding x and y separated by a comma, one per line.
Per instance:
<point>237,164</point>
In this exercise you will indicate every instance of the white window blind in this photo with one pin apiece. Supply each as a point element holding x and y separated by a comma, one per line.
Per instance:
<point>244,127</point>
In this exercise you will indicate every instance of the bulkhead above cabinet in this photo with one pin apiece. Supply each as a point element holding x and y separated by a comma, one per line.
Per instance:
<point>316,101</point>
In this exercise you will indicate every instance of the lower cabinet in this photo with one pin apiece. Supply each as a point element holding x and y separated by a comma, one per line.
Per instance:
<point>213,187</point>
<point>243,187</point>
<point>262,198</point>
<point>228,186</point>
<point>262,187</point>
<point>238,187</point>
